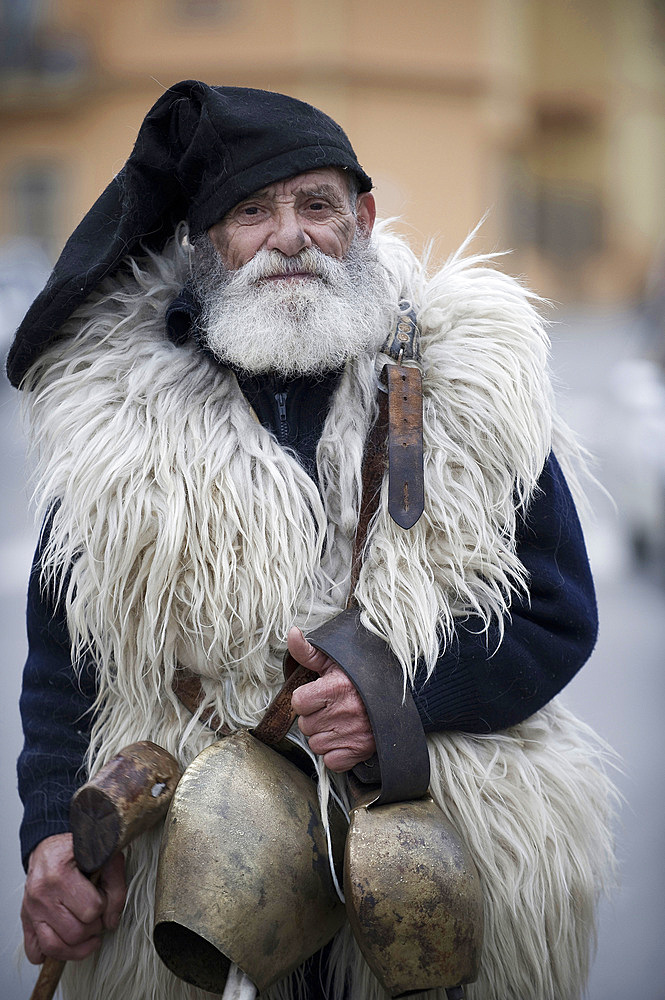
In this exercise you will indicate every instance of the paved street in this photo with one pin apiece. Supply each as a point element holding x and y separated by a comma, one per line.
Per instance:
<point>620,692</point>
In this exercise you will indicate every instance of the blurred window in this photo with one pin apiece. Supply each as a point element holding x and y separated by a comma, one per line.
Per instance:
<point>555,188</point>
<point>205,10</point>
<point>35,190</point>
<point>19,22</point>
<point>30,45</point>
<point>563,220</point>
<point>568,221</point>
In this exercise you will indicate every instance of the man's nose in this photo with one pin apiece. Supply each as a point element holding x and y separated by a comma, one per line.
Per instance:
<point>287,234</point>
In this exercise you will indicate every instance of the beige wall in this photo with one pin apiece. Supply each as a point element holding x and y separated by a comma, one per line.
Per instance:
<point>449,104</point>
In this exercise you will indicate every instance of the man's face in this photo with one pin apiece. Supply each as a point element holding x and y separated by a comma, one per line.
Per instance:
<point>313,209</point>
<point>289,280</point>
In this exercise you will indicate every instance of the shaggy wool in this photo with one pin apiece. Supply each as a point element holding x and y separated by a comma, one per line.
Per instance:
<point>194,538</point>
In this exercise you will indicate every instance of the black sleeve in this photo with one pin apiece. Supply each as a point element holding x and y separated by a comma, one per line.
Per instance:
<point>56,712</point>
<point>479,688</point>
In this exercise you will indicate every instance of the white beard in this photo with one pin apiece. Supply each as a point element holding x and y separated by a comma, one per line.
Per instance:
<point>295,326</point>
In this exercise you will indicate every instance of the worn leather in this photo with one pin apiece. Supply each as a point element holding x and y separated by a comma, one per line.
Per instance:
<point>188,688</point>
<point>403,341</point>
<point>403,380</point>
<point>401,747</point>
<point>375,458</point>
<point>279,716</point>
<point>406,488</point>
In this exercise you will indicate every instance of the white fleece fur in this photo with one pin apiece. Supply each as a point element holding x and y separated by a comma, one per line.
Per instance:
<point>196,539</point>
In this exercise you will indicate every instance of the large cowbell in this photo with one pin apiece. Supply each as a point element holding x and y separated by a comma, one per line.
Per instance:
<point>413,894</point>
<point>244,875</point>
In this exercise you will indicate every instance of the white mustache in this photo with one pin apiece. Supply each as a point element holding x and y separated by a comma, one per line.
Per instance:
<point>273,263</point>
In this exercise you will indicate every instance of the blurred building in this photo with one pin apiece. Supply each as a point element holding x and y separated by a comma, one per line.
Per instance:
<point>549,113</point>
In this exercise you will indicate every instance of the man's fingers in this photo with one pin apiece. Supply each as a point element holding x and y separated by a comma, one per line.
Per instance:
<point>304,653</point>
<point>67,927</point>
<point>33,951</point>
<point>341,755</point>
<point>356,745</point>
<point>55,947</point>
<point>68,904</point>
<point>308,699</point>
<point>332,713</point>
<point>344,740</point>
<point>40,940</point>
<point>62,911</point>
<point>113,885</point>
<point>333,695</point>
<point>344,759</point>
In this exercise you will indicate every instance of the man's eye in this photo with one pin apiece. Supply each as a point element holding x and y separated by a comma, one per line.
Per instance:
<point>250,210</point>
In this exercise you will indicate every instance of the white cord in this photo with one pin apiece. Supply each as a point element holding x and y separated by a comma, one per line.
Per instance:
<point>324,790</point>
<point>238,985</point>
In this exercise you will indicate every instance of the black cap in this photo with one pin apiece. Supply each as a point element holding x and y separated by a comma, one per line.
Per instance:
<point>199,151</point>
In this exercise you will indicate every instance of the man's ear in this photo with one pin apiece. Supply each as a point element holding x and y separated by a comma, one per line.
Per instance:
<point>366,212</point>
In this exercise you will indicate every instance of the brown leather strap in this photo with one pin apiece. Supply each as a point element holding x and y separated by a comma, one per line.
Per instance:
<point>279,715</point>
<point>374,467</point>
<point>277,719</point>
<point>187,686</point>
<point>406,489</point>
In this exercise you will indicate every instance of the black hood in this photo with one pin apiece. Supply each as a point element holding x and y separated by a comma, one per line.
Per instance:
<point>199,151</point>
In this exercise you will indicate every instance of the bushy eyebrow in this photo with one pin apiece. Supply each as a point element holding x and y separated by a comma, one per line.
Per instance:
<point>323,190</point>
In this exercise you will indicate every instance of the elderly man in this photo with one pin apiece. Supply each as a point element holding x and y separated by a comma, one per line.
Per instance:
<point>201,395</point>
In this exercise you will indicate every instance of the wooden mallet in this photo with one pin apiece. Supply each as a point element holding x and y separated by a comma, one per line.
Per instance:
<point>127,797</point>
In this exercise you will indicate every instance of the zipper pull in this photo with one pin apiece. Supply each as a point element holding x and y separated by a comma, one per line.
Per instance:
<point>283,431</point>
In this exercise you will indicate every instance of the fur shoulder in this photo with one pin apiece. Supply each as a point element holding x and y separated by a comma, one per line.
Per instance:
<point>133,301</point>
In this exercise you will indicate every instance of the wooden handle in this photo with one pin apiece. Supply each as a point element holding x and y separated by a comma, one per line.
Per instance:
<point>48,979</point>
<point>279,716</point>
<point>128,796</point>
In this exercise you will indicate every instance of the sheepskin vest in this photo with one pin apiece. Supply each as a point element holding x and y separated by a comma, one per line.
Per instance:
<point>185,534</point>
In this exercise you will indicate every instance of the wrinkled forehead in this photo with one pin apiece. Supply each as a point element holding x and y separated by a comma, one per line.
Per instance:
<point>334,182</point>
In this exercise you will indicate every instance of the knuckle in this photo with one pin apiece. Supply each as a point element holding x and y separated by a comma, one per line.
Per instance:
<point>90,910</point>
<point>305,726</point>
<point>302,700</point>
<point>317,743</point>
<point>336,761</point>
<point>36,886</point>
<point>76,935</point>
<point>340,686</point>
<point>49,942</point>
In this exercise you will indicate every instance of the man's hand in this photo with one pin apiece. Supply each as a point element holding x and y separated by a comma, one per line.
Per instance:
<point>63,914</point>
<point>331,712</point>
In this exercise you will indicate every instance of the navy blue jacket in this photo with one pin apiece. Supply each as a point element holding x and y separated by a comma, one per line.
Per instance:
<point>476,687</point>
